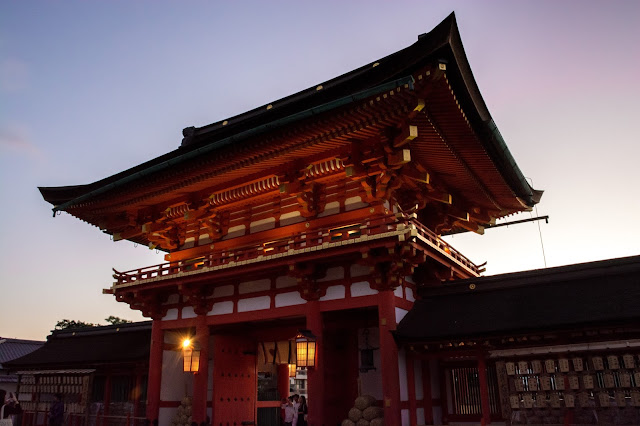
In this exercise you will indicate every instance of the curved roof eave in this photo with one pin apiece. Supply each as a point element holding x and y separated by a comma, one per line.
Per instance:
<point>442,42</point>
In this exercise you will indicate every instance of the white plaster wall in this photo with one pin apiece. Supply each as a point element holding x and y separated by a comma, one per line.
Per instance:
<point>404,417</point>
<point>330,208</point>
<point>234,231</point>
<point>335,273</point>
<point>400,313</point>
<point>171,314</point>
<point>398,292</point>
<point>409,294</point>
<point>175,382</point>
<point>435,381</point>
<point>223,291</point>
<point>166,414</point>
<point>174,298</point>
<point>437,415</point>
<point>286,281</point>
<point>402,373</point>
<point>221,308</point>
<point>254,286</point>
<point>172,338</point>
<point>362,288</point>
<point>188,312</point>
<point>417,374</point>
<point>254,304</point>
<point>334,292</point>
<point>353,203</point>
<point>289,299</point>
<point>290,218</point>
<point>262,225</point>
<point>420,416</point>
<point>359,270</point>
<point>204,239</point>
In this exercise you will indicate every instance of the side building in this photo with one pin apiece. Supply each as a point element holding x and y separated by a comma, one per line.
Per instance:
<point>11,349</point>
<point>550,346</point>
<point>101,372</point>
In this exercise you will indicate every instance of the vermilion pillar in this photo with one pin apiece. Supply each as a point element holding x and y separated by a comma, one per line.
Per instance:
<point>155,371</point>
<point>107,395</point>
<point>484,390</point>
<point>283,380</point>
<point>315,376</point>
<point>201,378</point>
<point>389,358</point>
<point>136,396</point>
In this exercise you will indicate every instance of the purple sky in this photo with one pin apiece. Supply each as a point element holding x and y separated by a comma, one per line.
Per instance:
<point>90,88</point>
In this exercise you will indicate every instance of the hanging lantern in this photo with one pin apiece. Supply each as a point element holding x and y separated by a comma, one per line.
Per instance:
<point>292,370</point>
<point>305,349</point>
<point>366,354</point>
<point>190,356</point>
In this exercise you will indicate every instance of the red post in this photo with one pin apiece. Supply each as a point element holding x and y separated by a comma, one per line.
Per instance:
<point>315,376</point>
<point>389,358</point>
<point>201,378</point>
<point>136,396</point>
<point>155,371</point>
<point>283,380</point>
<point>107,394</point>
<point>484,390</point>
<point>411,386</point>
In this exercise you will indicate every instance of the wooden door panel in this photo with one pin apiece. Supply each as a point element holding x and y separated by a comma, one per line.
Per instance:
<point>234,380</point>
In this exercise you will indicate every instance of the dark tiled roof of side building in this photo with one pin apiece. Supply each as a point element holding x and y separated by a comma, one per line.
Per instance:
<point>582,295</point>
<point>11,349</point>
<point>90,346</point>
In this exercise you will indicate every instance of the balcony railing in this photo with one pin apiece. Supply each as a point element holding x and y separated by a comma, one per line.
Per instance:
<point>398,225</point>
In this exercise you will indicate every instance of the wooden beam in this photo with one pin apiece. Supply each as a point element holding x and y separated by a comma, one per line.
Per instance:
<point>470,226</point>
<point>407,134</point>
<point>400,157</point>
<point>416,175</point>
<point>458,213</point>
<point>441,197</point>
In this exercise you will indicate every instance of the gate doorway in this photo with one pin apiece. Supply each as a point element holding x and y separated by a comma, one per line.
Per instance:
<point>235,381</point>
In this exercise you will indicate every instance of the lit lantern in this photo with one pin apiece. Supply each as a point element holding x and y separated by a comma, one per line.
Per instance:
<point>191,357</point>
<point>305,349</point>
<point>292,370</point>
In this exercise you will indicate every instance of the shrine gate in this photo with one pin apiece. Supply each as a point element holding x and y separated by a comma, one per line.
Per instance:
<point>318,216</point>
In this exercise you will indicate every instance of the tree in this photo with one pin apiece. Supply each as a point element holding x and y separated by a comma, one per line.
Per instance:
<point>116,320</point>
<point>65,323</point>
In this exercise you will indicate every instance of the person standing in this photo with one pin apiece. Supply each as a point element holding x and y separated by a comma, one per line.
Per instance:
<point>56,413</point>
<point>296,403</point>
<point>289,412</point>
<point>302,412</point>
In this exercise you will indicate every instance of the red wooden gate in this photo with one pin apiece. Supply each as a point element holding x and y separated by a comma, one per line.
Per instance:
<point>234,381</point>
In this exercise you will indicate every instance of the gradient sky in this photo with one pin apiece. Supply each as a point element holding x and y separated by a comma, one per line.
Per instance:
<point>91,88</point>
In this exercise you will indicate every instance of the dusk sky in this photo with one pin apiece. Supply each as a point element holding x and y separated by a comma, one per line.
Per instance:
<point>91,88</point>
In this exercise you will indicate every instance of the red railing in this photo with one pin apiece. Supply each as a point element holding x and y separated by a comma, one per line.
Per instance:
<point>311,240</point>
